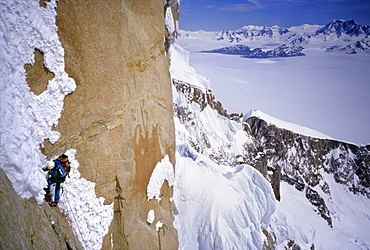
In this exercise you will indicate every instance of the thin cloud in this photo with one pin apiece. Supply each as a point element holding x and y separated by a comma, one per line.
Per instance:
<point>252,5</point>
<point>241,7</point>
<point>255,2</point>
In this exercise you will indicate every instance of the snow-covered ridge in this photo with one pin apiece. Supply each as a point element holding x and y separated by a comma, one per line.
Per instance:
<point>352,48</point>
<point>220,207</point>
<point>285,125</point>
<point>214,201</point>
<point>337,28</point>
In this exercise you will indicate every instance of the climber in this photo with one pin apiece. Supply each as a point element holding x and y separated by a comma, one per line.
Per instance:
<point>57,171</point>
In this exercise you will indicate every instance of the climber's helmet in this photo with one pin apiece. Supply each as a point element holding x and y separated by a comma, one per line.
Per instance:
<point>50,165</point>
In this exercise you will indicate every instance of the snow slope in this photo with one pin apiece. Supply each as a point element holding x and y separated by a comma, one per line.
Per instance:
<point>27,119</point>
<point>296,219</point>
<point>219,207</point>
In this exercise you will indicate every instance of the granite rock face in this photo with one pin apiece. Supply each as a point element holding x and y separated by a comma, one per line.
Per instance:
<point>26,225</point>
<point>117,115</point>
<point>119,119</point>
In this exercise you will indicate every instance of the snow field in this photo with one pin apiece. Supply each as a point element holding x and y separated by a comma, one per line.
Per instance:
<point>295,218</point>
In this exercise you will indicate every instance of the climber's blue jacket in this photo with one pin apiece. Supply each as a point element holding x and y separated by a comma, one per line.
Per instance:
<point>57,176</point>
<point>57,172</point>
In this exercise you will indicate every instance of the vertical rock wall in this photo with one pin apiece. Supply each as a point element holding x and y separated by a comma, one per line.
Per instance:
<point>120,117</point>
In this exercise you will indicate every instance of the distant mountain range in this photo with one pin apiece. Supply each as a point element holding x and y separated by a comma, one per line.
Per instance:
<point>335,29</point>
<point>339,35</point>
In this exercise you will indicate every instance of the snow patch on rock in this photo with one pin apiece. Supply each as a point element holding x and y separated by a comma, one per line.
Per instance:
<point>151,216</point>
<point>86,213</point>
<point>163,171</point>
<point>27,119</point>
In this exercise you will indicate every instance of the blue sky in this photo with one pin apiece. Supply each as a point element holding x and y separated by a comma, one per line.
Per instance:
<point>212,15</point>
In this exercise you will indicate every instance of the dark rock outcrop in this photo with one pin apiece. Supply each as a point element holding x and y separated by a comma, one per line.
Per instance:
<point>202,98</point>
<point>247,52</point>
<point>302,160</point>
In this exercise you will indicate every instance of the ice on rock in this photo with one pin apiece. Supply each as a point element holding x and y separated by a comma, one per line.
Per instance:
<point>151,216</point>
<point>163,171</point>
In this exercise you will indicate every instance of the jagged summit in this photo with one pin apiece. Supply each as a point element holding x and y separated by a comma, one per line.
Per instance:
<point>341,27</point>
<point>251,31</point>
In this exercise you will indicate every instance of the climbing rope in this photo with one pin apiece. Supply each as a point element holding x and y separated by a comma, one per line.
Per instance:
<point>74,218</point>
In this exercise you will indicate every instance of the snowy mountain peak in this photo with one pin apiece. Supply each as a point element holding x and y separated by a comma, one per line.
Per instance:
<point>251,31</point>
<point>341,27</point>
<point>339,35</point>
